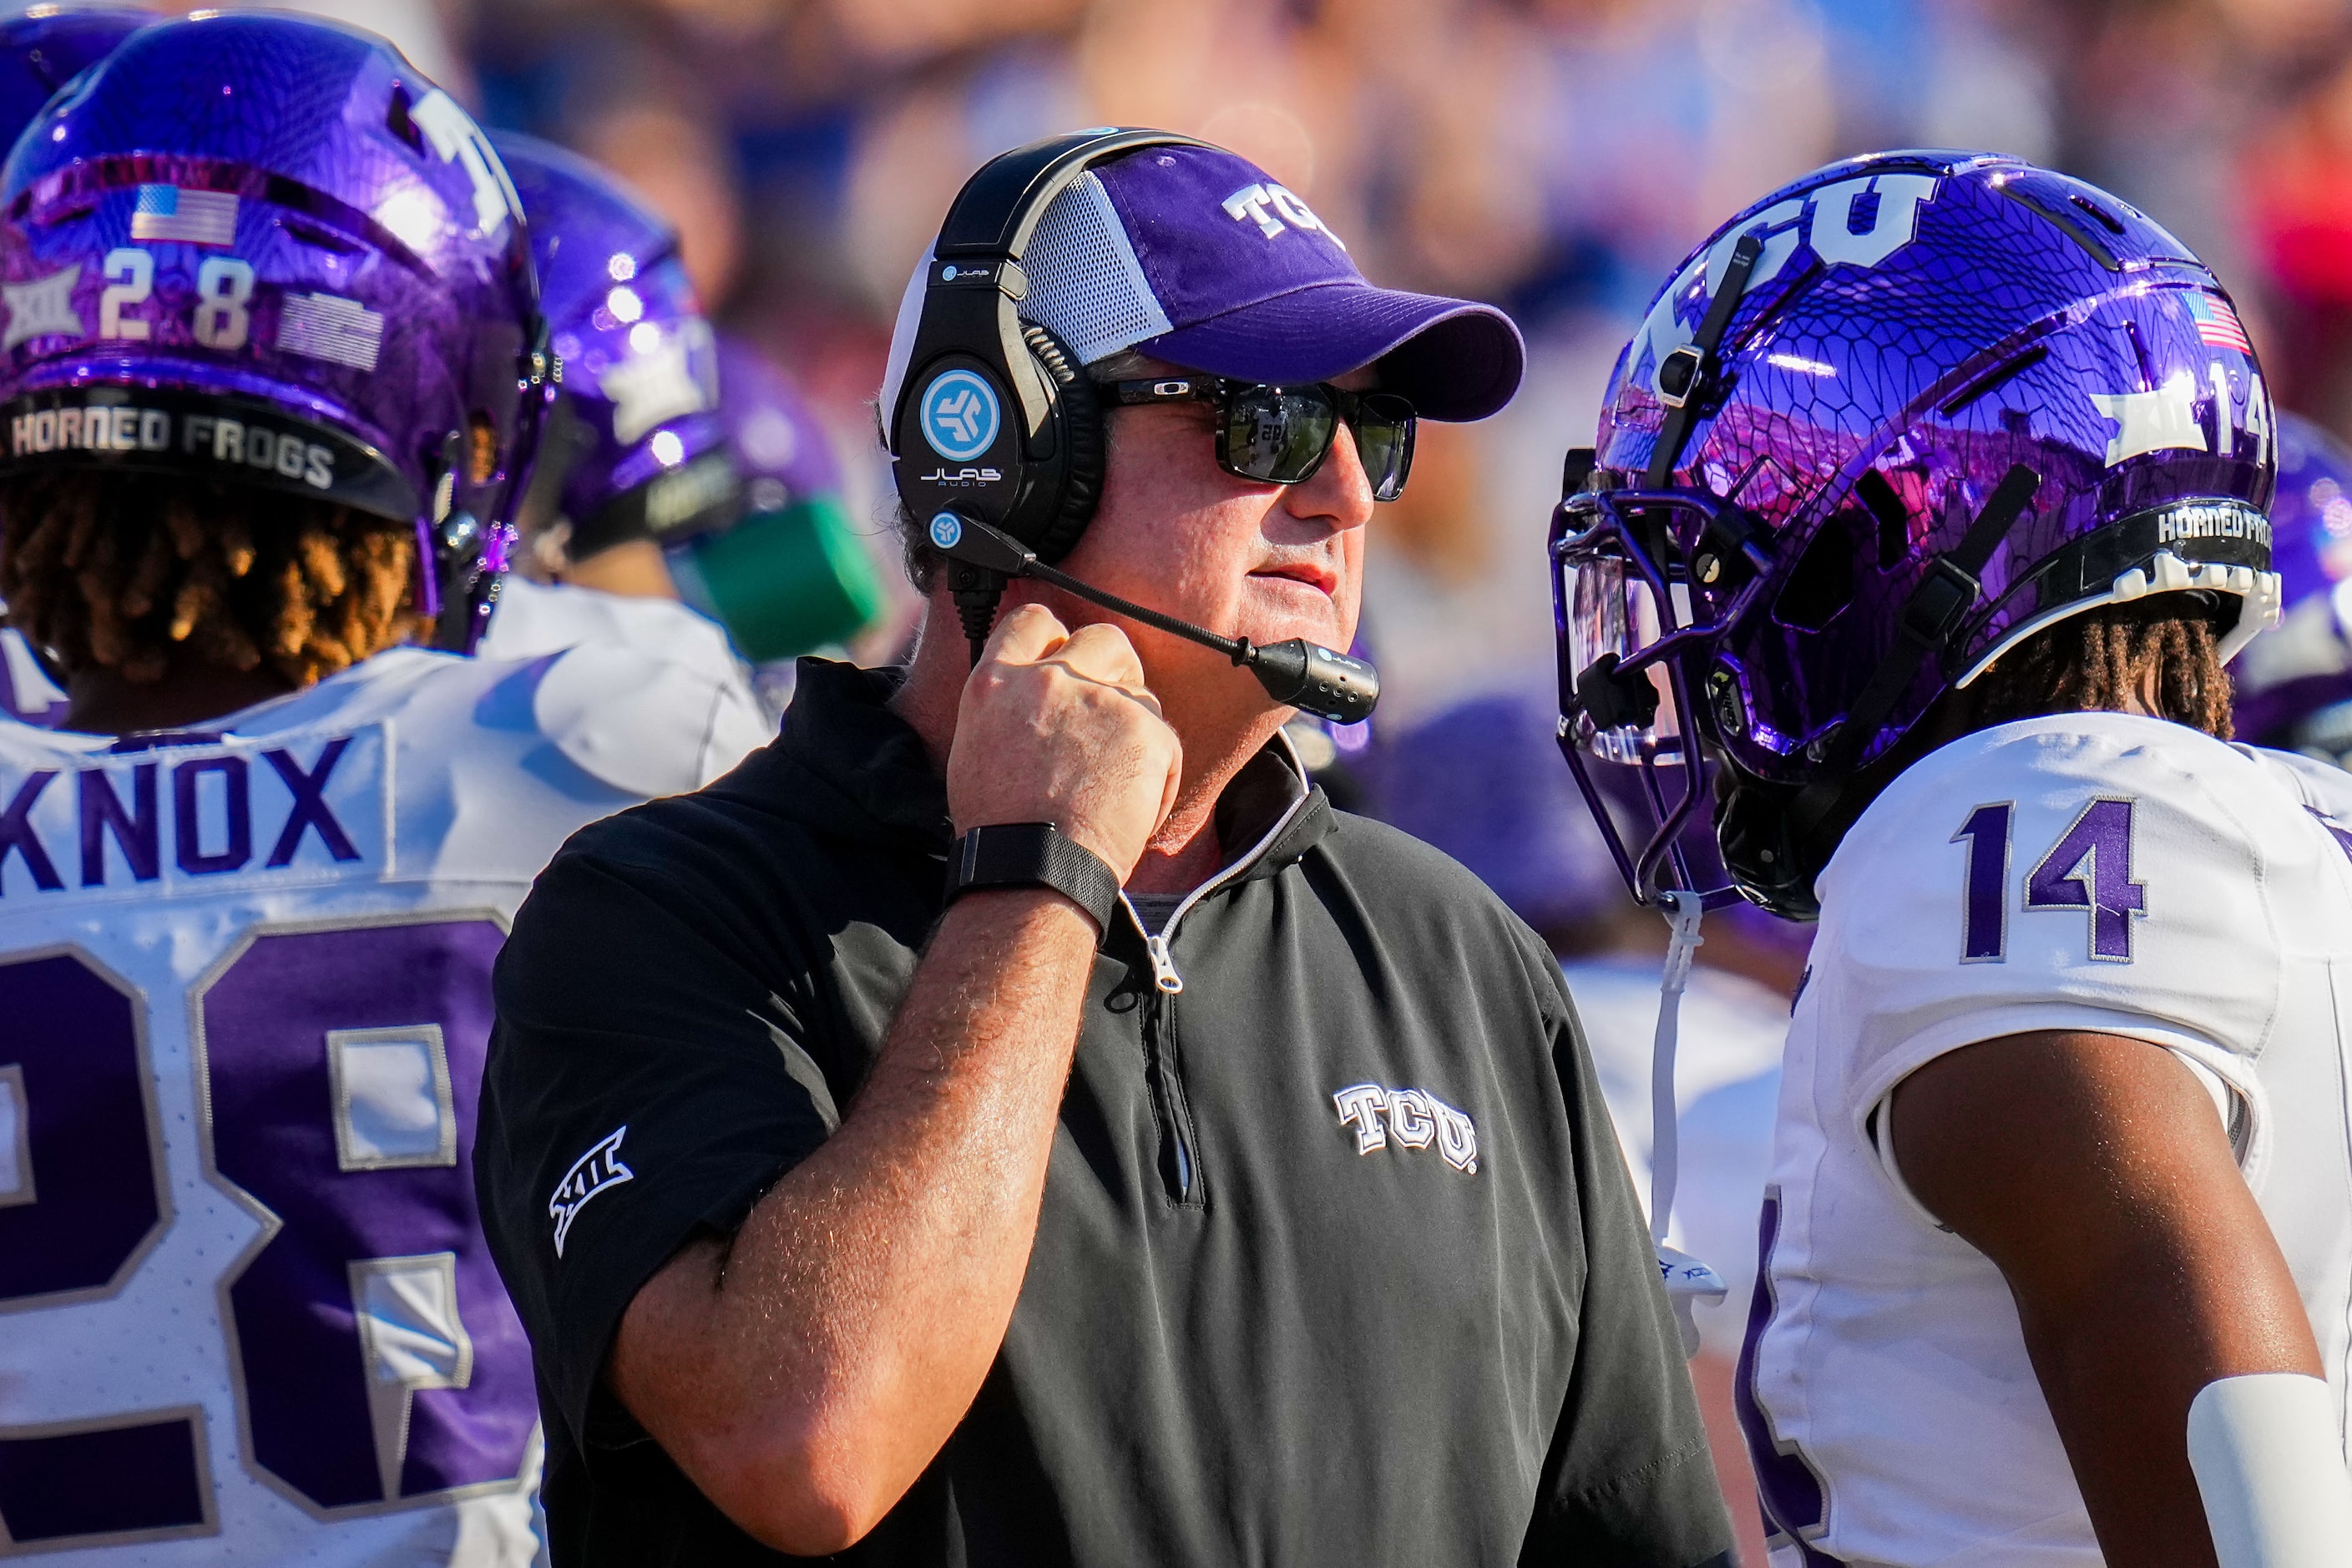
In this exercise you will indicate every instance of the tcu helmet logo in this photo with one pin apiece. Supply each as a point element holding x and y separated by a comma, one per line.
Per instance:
<point>592,1172</point>
<point>1415,1119</point>
<point>1274,209</point>
<point>1886,206</point>
<point>958,415</point>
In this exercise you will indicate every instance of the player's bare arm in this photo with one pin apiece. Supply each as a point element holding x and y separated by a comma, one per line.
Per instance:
<point>2093,1169</point>
<point>871,1288</point>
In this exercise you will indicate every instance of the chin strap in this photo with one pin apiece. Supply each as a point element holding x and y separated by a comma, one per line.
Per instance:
<point>1688,1281</point>
<point>1928,625</point>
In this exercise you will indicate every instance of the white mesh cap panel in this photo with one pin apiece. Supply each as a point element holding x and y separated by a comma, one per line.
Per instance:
<point>1085,284</point>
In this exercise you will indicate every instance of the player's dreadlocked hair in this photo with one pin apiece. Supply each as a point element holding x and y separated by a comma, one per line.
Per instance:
<point>2100,660</point>
<point>128,571</point>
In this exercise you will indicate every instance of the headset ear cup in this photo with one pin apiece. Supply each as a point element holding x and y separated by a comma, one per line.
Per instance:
<point>1081,434</point>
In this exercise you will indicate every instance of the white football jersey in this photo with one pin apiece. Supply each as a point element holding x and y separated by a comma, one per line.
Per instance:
<point>2083,871</point>
<point>534,618</point>
<point>246,1314</point>
<point>26,692</point>
<point>1727,1079</point>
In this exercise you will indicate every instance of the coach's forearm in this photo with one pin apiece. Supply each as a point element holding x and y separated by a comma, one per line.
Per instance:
<point>804,1376</point>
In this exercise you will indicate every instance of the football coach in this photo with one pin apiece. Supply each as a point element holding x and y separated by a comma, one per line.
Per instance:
<point>1014,1119</point>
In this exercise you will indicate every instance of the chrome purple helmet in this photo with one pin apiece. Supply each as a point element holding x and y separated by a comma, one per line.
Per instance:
<point>636,448</point>
<point>43,48</point>
<point>2294,686</point>
<point>1883,426</point>
<point>262,249</point>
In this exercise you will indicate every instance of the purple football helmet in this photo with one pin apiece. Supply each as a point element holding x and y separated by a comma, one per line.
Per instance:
<point>1882,426</point>
<point>262,249</point>
<point>789,572</point>
<point>635,448</point>
<point>40,51</point>
<point>2294,686</point>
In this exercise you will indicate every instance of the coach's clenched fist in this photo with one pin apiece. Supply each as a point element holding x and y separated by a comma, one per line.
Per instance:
<point>1058,726</point>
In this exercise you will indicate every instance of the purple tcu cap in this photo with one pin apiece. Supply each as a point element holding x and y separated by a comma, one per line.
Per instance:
<point>1198,257</point>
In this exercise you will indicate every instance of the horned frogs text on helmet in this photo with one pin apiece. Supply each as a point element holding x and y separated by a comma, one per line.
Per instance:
<point>337,303</point>
<point>1883,425</point>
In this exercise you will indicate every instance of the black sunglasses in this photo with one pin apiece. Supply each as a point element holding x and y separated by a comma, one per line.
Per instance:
<point>1280,435</point>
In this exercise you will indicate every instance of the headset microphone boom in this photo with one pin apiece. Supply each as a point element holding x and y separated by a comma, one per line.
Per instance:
<point>1307,676</point>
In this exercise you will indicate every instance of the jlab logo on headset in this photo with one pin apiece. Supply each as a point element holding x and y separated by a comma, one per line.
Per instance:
<point>958,416</point>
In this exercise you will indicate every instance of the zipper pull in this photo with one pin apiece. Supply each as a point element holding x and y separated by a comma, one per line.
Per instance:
<point>1163,965</point>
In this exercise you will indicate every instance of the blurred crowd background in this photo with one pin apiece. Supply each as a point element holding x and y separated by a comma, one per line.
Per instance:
<point>1557,157</point>
<point>1554,156</point>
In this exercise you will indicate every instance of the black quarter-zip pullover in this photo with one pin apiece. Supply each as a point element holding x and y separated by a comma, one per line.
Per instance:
<point>1338,1261</point>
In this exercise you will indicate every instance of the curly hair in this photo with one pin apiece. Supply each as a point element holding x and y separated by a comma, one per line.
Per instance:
<point>2102,660</point>
<point>130,571</point>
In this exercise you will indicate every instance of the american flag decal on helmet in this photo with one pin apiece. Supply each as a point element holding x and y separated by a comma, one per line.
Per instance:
<point>2218,326</point>
<point>195,217</point>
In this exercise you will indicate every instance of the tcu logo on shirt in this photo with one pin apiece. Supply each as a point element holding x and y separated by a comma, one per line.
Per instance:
<point>1415,1118</point>
<point>1275,208</point>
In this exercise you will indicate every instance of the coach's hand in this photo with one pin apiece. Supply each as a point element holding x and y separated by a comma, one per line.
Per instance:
<point>1058,726</point>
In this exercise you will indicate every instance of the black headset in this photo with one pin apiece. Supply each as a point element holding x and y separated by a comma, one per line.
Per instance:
<point>997,438</point>
<point>995,418</point>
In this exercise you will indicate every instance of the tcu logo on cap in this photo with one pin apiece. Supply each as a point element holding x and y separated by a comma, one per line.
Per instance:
<point>1274,206</point>
<point>958,415</point>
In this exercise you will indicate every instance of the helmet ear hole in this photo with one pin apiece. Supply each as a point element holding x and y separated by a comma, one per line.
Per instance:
<point>1082,435</point>
<point>1822,586</point>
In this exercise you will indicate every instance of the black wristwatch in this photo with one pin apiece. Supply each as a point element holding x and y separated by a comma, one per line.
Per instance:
<point>1032,855</point>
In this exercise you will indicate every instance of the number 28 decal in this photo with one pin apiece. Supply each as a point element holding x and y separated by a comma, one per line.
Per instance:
<point>2088,870</point>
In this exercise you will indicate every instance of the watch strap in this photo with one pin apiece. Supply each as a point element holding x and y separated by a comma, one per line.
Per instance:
<point>1032,855</point>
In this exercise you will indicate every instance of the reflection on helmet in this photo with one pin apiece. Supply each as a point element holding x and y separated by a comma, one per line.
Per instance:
<point>636,448</point>
<point>331,298</point>
<point>1882,426</point>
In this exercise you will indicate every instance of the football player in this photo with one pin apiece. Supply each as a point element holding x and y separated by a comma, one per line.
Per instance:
<point>791,573</point>
<point>1927,511</point>
<point>635,448</point>
<point>2293,686</point>
<point>272,371</point>
<point>680,470</point>
<point>40,51</point>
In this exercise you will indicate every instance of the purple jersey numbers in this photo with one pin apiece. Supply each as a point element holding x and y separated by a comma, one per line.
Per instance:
<point>1789,1489</point>
<point>1984,914</point>
<point>378,1359</point>
<point>2089,870</point>
<point>81,1191</point>
<point>2102,836</point>
<point>82,1197</point>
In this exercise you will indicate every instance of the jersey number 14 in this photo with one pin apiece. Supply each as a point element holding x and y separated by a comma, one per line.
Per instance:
<point>2088,870</point>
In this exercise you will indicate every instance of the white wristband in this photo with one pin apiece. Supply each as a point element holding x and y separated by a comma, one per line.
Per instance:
<point>2268,1454</point>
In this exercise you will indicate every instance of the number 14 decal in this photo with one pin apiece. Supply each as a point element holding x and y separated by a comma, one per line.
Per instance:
<point>2089,869</point>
